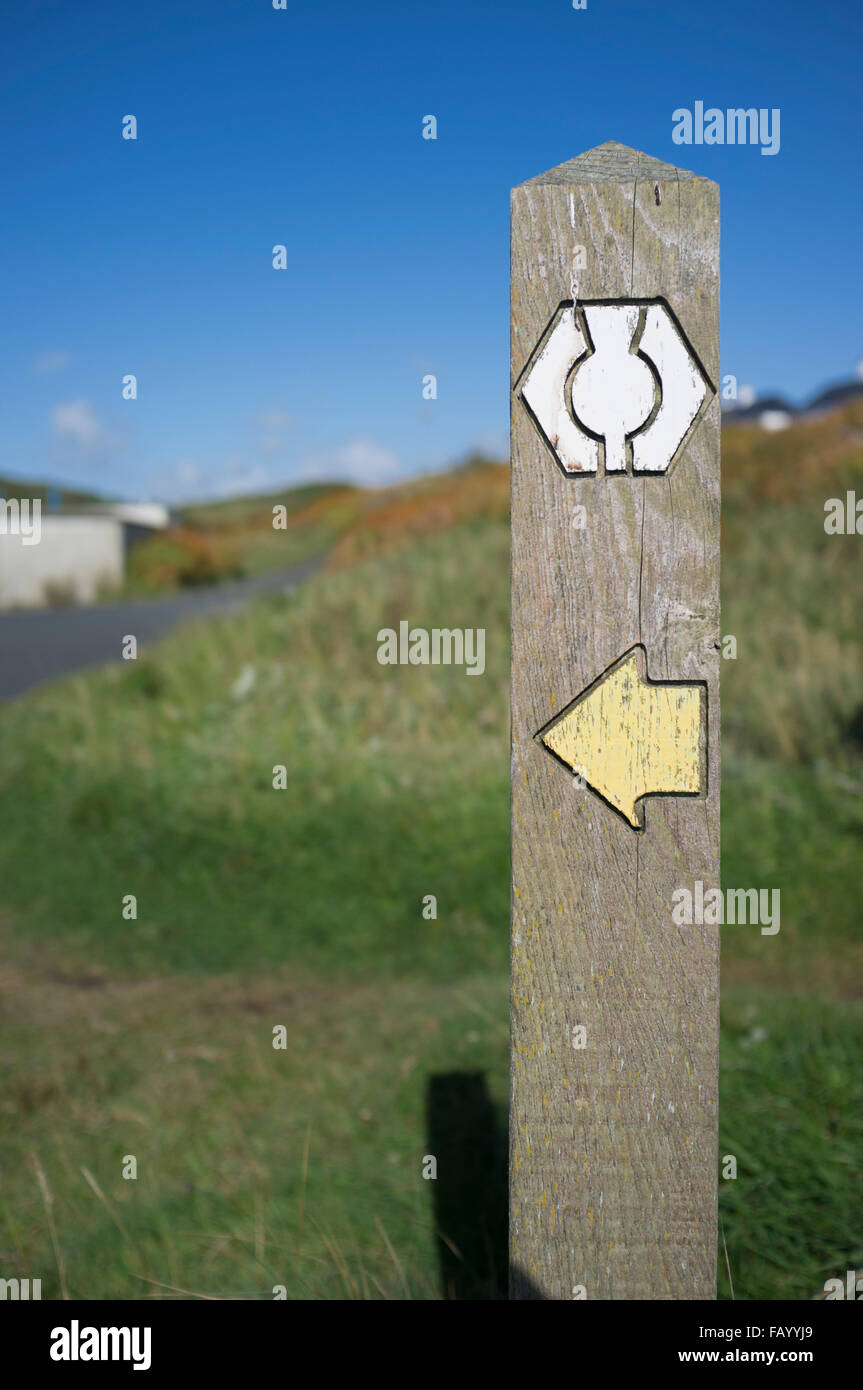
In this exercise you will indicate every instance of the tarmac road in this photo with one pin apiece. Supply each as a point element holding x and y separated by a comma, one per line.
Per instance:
<point>38,644</point>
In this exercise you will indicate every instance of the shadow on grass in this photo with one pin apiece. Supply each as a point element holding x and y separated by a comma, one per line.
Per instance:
<point>470,1193</point>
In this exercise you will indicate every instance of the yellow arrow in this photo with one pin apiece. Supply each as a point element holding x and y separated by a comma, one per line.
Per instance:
<point>630,737</point>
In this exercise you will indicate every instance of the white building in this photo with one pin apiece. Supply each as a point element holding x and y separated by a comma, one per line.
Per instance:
<point>154,515</point>
<point>59,557</point>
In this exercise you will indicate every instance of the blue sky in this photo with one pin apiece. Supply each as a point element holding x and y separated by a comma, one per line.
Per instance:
<point>303,127</point>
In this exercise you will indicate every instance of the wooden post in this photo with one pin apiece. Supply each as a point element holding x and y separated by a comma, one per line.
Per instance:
<point>615,730</point>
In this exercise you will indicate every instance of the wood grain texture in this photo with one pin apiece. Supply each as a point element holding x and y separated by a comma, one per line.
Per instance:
<point>613,1148</point>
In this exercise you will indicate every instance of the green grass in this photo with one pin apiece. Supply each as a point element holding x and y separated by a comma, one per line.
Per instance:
<point>255,1167</point>
<point>258,907</point>
<point>791,1112</point>
<point>798,829</point>
<point>397,786</point>
<point>302,907</point>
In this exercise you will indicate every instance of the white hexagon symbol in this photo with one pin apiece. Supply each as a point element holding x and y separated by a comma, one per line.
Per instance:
<point>615,383</point>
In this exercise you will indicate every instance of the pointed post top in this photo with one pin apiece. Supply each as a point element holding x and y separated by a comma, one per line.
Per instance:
<point>612,163</point>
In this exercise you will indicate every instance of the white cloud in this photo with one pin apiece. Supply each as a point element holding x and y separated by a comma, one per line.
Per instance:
<point>274,424</point>
<point>239,479</point>
<point>184,481</point>
<point>189,481</point>
<point>51,361</point>
<point>76,421</point>
<point>274,420</point>
<point>359,461</point>
<point>271,444</point>
<point>189,473</point>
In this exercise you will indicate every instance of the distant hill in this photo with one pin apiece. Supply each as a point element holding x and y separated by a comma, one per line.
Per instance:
<point>834,396</point>
<point>228,512</point>
<point>768,410</point>
<point>63,496</point>
<point>754,414</point>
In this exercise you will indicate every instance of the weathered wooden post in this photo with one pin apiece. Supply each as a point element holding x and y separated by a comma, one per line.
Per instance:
<point>615,697</point>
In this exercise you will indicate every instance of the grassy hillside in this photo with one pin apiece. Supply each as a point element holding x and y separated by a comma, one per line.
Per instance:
<point>257,908</point>
<point>302,907</point>
<point>237,537</point>
<point>161,773</point>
